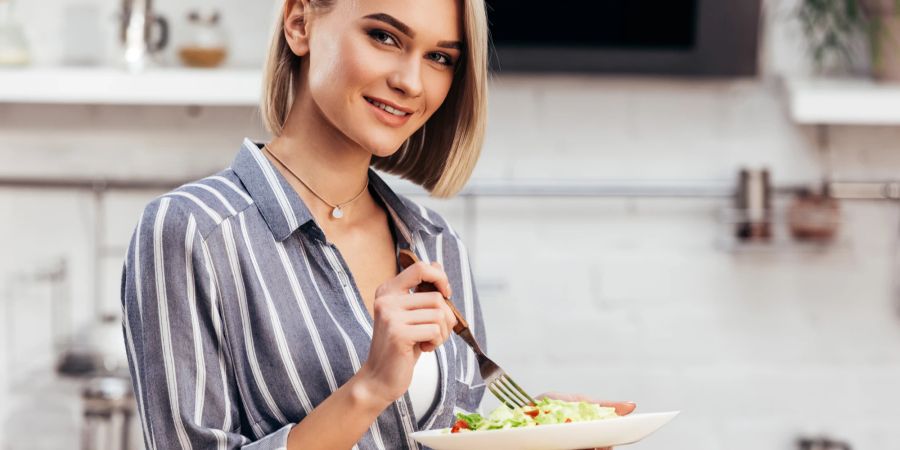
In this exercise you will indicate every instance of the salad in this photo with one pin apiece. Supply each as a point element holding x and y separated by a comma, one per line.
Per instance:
<point>546,411</point>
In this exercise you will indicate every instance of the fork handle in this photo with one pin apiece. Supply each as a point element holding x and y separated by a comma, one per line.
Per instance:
<point>408,258</point>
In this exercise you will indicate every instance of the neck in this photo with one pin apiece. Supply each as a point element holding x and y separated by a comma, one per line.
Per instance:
<point>324,159</point>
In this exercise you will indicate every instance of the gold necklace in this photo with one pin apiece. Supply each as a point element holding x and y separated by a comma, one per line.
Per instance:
<point>337,210</point>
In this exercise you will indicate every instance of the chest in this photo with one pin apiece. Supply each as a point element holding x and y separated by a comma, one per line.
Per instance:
<point>371,257</point>
<point>295,331</point>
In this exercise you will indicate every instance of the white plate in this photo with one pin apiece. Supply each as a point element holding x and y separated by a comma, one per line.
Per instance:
<point>566,436</point>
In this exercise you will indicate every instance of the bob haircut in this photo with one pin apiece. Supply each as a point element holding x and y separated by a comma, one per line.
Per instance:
<point>442,154</point>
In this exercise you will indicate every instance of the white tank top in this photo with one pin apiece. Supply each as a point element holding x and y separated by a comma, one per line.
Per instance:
<point>423,389</point>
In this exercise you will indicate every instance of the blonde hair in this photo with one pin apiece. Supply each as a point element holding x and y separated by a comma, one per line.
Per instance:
<point>442,154</point>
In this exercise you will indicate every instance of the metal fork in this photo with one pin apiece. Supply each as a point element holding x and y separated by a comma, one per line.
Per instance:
<point>498,382</point>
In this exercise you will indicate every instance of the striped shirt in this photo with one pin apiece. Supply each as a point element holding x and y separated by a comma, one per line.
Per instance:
<point>240,316</point>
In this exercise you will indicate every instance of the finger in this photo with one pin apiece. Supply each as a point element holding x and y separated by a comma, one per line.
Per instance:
<point>406,302</point>
<point>441,284</point>
<point>426,347</point>
<point>449,319</point>
<point>425,333</point>
<point>449,316</point>
<point>422,300</point>
<point>415,274</point>
<point>422,316</point>
<point>432,301</point>
<point>562,396</point>
<point>622,408</point>
<point>441,268</point>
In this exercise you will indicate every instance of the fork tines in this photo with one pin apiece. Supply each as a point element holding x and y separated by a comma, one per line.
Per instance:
<point>509,393</point>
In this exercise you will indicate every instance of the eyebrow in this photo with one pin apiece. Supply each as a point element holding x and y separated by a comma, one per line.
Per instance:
<point>404,28</point>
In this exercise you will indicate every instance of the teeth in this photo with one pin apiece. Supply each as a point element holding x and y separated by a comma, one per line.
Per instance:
<point>387,108</point>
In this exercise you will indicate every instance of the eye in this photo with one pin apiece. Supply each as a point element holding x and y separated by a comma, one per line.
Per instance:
<point>382,37</point>
<point>441,58</point>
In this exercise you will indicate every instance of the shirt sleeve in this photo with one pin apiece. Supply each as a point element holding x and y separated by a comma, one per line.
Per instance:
<point>184,387</point>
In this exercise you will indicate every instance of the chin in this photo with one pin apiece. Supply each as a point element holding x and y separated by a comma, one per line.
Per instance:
<point>384,148</point>
<point>384,153</point>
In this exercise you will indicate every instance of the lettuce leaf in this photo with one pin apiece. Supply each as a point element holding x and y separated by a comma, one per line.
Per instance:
<point>547,411</point>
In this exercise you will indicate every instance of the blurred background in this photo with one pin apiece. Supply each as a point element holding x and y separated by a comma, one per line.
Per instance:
<point>690,204</point>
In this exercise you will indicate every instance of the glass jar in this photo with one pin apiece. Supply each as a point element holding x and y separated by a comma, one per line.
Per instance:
<point>206,43</point>
<point>814,217</point>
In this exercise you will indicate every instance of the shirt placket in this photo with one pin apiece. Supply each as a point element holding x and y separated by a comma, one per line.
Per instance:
<point>403,405</point>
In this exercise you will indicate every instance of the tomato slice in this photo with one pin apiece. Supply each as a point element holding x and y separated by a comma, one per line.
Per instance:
<point>533,413</point>
<point>460,424</point>
<point>568,420</point>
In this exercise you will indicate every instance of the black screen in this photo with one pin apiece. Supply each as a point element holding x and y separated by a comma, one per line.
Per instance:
<point>612,24</point>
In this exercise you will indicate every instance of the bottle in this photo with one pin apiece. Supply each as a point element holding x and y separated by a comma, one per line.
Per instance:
<point>754,205</point>
<point>13,46</point>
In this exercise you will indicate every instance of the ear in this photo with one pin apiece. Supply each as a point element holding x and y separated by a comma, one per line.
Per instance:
<point>296,25</point>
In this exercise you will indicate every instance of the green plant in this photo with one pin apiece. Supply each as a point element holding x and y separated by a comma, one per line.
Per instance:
<point>833,28</point>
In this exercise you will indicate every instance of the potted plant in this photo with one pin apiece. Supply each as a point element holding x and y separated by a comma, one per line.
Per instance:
<point>840,31</point>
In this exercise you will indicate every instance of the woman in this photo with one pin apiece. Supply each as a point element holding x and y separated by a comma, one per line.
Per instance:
<point>264,307</point>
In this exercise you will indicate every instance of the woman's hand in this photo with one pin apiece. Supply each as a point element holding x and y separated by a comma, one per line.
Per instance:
<point>622,408</point>
<point>405,325</point>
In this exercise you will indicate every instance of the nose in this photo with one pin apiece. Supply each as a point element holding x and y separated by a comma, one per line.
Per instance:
<point>407,78</point>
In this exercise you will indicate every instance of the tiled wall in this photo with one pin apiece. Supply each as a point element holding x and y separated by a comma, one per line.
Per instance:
<point>620,298</point>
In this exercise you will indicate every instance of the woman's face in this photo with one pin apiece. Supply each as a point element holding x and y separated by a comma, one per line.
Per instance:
<point>378,69</point>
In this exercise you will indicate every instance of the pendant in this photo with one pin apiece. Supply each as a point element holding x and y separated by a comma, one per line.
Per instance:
<point>337,212</point>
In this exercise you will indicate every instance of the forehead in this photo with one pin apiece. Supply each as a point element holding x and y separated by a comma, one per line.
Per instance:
<point>429,19</point>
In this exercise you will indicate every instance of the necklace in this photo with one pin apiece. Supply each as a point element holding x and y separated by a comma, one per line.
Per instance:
<point>337,210</point>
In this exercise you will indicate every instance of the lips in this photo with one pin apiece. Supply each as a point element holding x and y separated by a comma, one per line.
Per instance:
<point>389,107</point>
<point>389,113</point>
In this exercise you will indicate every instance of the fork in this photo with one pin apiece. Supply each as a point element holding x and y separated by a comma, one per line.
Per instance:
<point>498,382</point>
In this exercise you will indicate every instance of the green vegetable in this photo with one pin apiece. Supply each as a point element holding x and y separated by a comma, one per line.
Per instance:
<point>545,412</point>
<point>473,420</point>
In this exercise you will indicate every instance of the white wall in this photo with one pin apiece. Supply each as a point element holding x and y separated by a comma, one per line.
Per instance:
<point>633,298</point>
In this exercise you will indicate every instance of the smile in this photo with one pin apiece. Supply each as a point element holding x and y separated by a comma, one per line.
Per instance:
<point>387,108</point>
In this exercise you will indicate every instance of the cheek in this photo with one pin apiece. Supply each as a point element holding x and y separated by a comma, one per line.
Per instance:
<point>334,62</point>
<point>340,73</point>
<point>325,72</point>
<point>351,61</point>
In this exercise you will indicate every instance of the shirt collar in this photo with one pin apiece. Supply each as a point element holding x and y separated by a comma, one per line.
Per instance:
<point>413,215</point>
<point>284,211</point>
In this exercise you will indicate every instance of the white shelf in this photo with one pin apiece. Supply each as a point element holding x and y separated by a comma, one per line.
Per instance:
<point>110,86</point>
<point>844,102</point>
